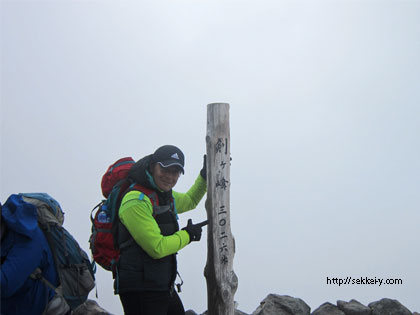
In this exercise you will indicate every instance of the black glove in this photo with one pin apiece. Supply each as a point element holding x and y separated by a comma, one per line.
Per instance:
<point>194,230</point>
<point>203,171</point>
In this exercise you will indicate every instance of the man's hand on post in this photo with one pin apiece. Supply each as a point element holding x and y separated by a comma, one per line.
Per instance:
<point>203,171</point>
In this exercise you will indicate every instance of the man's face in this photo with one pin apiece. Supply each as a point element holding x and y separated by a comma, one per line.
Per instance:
<point>165,177</point>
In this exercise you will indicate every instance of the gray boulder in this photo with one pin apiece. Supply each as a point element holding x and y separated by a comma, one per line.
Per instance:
<point>388,307</point>
<point>275,304</point>
<point>327,309</point>
<point>90,307</point>
<point>190,312</point>
<point>353,308</point>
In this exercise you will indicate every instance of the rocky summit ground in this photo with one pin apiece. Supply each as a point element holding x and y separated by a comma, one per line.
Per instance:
<point>275,304</point>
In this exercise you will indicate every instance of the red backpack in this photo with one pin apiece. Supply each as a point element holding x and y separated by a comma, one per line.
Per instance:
<point>102,240</point>
<point>115,173</point>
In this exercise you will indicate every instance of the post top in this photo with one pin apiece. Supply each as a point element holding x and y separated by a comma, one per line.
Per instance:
<point>220,104</point>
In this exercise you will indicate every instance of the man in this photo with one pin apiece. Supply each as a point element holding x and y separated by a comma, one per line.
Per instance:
<point>149,235</point>
<point>24,248</point>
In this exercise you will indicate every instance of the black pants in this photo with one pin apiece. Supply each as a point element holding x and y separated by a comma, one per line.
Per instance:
<point>152,303</point>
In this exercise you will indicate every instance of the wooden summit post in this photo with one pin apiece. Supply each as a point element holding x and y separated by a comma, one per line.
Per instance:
<point>221,279</point>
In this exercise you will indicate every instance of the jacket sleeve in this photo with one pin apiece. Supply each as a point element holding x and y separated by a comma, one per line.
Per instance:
<point>23,258</point>
<point>136,214</point>
<point>189,200</point>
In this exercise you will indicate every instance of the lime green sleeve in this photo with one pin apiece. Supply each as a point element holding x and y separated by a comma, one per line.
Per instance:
<point>136,214</point>
<point>190,199</point>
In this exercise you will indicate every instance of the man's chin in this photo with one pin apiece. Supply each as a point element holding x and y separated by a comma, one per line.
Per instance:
<point>166,188</point>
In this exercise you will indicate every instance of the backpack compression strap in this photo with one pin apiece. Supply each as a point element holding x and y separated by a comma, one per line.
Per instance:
<point>37,275</point>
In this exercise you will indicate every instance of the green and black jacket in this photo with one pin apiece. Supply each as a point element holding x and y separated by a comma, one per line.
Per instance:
<point>149,263</point>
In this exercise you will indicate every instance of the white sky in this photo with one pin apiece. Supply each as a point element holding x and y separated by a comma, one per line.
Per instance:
<point>325,116</point>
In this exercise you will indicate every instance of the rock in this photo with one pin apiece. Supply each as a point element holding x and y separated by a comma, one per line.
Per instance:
<point>327,309</point>
<point>237,312</point>
<point>90,307</point>
<point>353,308</point>
<point>388,307</point>
<point>275,304</point>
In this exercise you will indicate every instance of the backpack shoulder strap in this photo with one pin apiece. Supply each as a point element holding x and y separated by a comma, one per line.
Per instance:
<point>152,195</point>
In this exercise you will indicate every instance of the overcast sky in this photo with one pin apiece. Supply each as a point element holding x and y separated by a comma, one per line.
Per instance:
<point>325,120</point>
